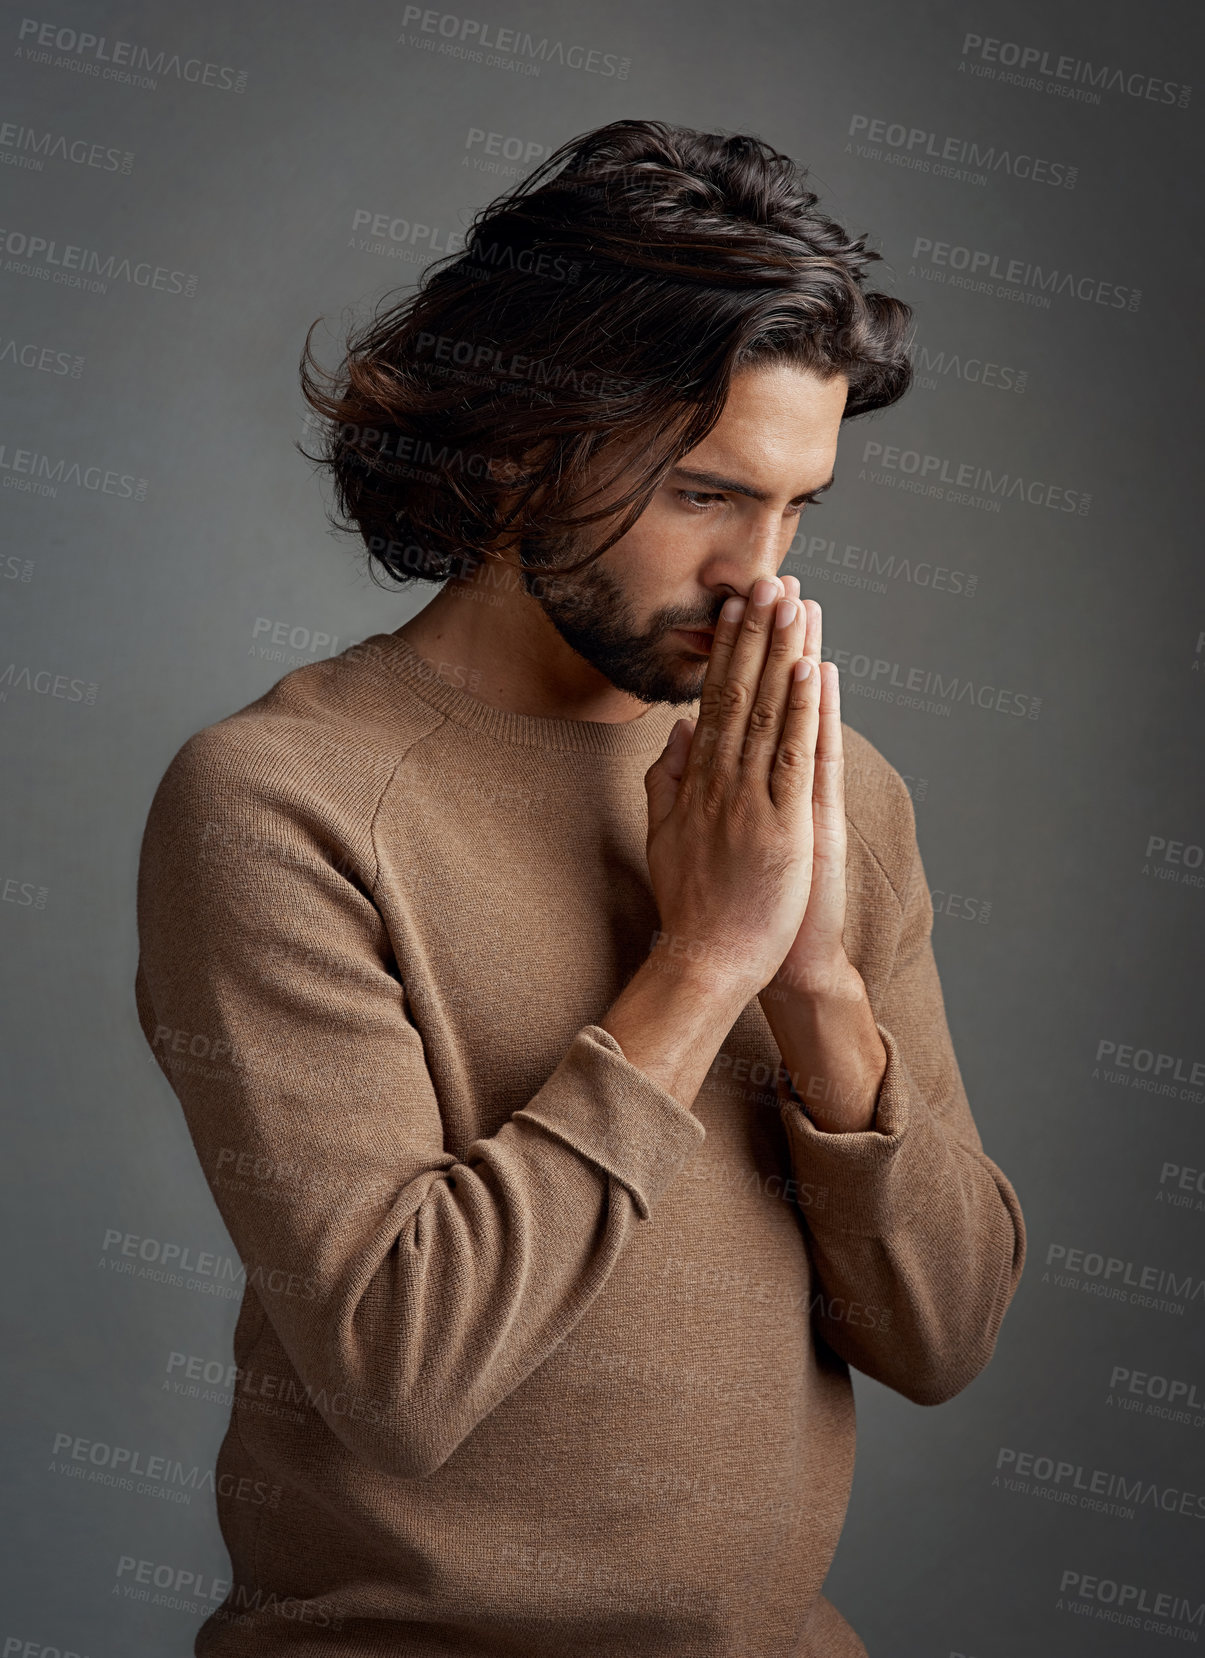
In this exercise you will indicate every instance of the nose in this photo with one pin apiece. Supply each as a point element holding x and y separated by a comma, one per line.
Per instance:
<point>760,551</point>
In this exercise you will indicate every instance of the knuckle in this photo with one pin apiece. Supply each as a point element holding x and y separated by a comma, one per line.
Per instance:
<point>712,793</point>
<point>795,757</point>
<point>711,700</point>
<point>763,716</point>
<point>734,696</point>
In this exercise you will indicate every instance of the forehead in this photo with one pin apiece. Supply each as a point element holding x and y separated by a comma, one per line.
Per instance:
<point>777,417</point>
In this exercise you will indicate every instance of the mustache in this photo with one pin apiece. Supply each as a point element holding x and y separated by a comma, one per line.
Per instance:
<point>691,620</point>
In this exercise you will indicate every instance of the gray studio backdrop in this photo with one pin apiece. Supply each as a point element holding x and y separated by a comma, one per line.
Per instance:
<point>1010,581</point>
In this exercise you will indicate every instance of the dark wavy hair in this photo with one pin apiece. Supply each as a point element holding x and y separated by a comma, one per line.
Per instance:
<point>596,313</point>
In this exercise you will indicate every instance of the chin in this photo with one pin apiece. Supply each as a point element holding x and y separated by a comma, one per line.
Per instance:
<point>679,682</point>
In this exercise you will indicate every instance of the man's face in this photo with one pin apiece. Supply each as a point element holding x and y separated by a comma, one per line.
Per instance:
<point>643,614</point>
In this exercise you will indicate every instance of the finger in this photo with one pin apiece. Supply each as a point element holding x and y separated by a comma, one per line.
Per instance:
<point>768,714</point>
<point>830,750</point>
<point>790,586</point>
<point>677,749</point>
<point>828,808</point>
<point>727,631</point>
<point>795,759</point>
<point>815,630</point>
<point>662,778</point>
<point>745,671</point>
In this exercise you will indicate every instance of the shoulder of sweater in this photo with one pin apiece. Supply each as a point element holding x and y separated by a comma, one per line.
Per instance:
<point>878,807</point>
<point>318,749</point>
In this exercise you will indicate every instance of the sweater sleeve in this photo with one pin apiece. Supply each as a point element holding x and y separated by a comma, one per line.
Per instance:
<point>919,1243</point>
<point>390,1269</point>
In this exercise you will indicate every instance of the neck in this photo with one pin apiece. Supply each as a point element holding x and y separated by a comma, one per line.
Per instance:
<point>489,625</point>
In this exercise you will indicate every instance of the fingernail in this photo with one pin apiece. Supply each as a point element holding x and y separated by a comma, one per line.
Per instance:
<point>764,590</point>
<point>802,668</point>
<point>733,609</point>
<point>785,614</point>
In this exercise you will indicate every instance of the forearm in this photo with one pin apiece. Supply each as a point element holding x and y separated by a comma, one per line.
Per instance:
<point>919,1243</point>
<point>671,1020</point>
<point>830,1046</point>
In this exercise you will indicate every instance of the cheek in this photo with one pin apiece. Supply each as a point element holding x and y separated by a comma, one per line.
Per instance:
<point>665,552</point>
<point>680,541</point>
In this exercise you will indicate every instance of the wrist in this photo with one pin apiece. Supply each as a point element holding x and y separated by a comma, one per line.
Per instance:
<point>833,1054</point>
<point>701,970</point>
<point>834,981</point>
<point>671,1018</point>
<point>835,1105</point>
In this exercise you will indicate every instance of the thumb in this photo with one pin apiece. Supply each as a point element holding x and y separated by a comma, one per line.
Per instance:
<point>665,774</point>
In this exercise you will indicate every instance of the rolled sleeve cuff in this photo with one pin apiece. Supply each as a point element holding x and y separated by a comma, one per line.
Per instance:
<point>874,1178</point>
<point>613,1114</point>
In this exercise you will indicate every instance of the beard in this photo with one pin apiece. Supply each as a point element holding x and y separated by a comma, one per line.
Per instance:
<point>593,615</point>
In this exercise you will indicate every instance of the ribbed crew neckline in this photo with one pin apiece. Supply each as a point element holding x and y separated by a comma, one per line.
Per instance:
<point>643,735</point>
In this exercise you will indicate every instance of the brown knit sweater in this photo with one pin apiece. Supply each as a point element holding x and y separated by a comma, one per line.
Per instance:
<point>532,1360</point>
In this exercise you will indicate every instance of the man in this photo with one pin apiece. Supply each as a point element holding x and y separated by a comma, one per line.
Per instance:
<point>577,1086</point>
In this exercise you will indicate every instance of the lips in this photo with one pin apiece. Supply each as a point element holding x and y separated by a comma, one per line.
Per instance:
<point>699,639</point>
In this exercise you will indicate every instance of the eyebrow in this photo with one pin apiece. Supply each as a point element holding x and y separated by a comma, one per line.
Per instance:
<point>730,487</point>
